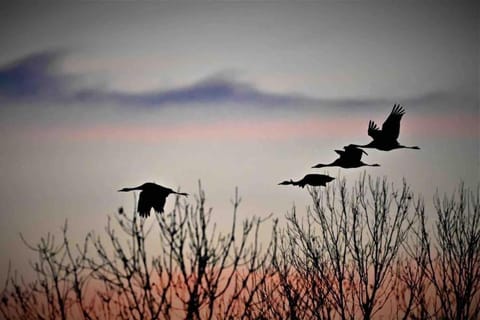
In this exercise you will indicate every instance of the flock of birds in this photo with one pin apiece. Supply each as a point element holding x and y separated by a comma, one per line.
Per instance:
<point>154,196</point>
<point>384,139</point>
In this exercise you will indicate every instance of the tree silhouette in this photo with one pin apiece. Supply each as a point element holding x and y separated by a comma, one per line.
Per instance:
<point>358,252</point>
<point>412,300</point>
<point>196,272</point>
<point>294,291</point>
<point>59,289</point>
<point>351,242</point>
<point>453,261</point>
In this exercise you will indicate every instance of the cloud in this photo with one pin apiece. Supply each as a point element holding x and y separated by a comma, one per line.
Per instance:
<point>34,76</point>
<point>208,91</point>
<point>37,77</point>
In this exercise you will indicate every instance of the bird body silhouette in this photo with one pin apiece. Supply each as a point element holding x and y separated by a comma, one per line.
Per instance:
<point>385,139</point>
<point>350,157</point>
<point>315,180</point>
<point>151,196</point>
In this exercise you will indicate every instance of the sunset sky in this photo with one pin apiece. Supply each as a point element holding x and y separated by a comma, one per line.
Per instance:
<point>96,96</point>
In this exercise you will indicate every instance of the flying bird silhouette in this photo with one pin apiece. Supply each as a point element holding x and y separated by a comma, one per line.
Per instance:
<point>386,138</point>
<point>315,180</point>
<point>151,196</point>
<point>350,157</point>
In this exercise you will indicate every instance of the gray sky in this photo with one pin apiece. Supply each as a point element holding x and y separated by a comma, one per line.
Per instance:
<point>98,96</point>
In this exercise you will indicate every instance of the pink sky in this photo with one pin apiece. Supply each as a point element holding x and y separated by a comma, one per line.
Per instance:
<point>453,126</point>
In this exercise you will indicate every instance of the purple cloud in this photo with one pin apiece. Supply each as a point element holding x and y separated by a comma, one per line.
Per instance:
<point>38,78</point>
<point>34,76</point>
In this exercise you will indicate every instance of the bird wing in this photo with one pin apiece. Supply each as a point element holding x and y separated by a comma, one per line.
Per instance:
<point>373,130</point>
<point>158,189</point>
<point>391,126</point>
<point>340,152</point>
<point>316,179</point>
<point>353,153</point>
<point>159,203</point>
<point>144,204</point>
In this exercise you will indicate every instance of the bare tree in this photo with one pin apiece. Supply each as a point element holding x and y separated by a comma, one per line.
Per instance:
<point>381,224</point>
<point>352,242</point>
<point>176,266</point>
<point>292,291</point>
<point>219,272</point>
<point>125,270</point>
<point>199,273</point>
<point>412,300</point>
<point>58,292</point>
<point>453,261</point>
<point>18,298</point>
<point>356,253</point>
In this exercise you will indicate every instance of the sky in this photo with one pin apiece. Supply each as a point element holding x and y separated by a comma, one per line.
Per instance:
<point>96,96</point>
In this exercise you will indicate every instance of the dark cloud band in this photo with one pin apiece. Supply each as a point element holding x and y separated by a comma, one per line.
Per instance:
<point>38,77</point>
